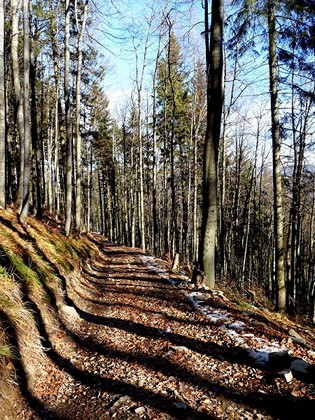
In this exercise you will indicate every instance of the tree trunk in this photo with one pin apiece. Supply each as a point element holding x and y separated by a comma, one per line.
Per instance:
<point>277,179</point>
<point>37,149</point>
<point>78,203</point>
<point>68,197</point>
<point>141,187</point>
<point>27,134</point>
<point>2,112</point>
<point>214,61</point>
<point>15,7</point>
<point>54,34</point>
<point>195,200</point>
<point>49,166</point>
<point>154,154</point>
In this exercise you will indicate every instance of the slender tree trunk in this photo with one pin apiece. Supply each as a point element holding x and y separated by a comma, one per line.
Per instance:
<point>133,201</point>
<point>186,228</point>
<point>15,7</point>
<point>311,277</point>
<point>195,200</point>
<point>214,60</point>
<point>247,219</point>
<point>41,146</point>
<point>277,181</point>
<point>37,149</point>
<point>2,112</point>
<point>89,160</point>
<point>54,34</point>
<point>56,177</point>
<point>68,195</point>
<point>101,202</point>
<point>78,200</point>
<point>49,166</point>
<point>154,164</point>
<point>173,221</point>
<point>141,187</point>
<point>27,133</point>
<point>165,223</point>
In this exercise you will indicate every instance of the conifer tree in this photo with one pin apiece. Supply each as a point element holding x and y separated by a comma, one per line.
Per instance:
<point>173,129</point>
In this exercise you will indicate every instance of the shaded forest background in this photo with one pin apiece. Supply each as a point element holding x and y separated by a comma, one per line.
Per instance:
<point>136,176</point>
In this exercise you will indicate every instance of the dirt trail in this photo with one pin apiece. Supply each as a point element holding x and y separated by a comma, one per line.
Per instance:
<point>132,346</point>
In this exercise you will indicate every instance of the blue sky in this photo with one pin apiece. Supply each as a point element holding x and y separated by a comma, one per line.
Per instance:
<point>122,28</point>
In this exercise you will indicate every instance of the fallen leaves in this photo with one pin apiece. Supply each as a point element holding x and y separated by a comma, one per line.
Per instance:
<point>150,352</point>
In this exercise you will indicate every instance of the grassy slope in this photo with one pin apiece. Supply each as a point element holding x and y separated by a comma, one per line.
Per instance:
<point>34,262</point>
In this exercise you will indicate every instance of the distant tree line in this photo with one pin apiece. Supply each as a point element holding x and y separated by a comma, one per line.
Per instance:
<point>220,127</point>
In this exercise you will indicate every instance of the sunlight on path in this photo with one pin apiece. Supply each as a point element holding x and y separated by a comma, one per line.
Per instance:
<point>259,348</point>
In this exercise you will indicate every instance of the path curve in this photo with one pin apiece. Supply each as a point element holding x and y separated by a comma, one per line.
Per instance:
<point>133,347</point>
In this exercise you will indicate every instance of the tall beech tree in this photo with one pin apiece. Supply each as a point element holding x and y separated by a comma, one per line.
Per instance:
<point>214,63</point>
<point>69,155</point>
<point>26,102</point>
<point>36,139</point>
<point>2,112</point>
<point>80,27</point>
<point>53,170</point>
<point>276,154</point>
<point>18,108</point>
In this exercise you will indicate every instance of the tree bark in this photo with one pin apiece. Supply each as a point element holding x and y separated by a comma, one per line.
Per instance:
<point>54,34</point>
<point>68,195</point>
<point>2,112</point>
<point>154,156</point>
<point>36,144</point>
<point>214,61</point>
<point>27,134</point>
<point>276,154</point>
<point>15,7</point>
<point>78,203</point>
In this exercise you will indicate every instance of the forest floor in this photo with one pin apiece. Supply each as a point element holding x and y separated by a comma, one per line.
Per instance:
<point>136,341</point>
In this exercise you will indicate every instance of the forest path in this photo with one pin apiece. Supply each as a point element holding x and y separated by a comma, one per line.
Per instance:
<point>133,347</point>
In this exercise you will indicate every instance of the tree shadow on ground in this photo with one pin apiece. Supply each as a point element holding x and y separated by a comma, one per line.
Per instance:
<point>39,407</point>
<point>94,380</point>
<point>280,406</point>
<point>275,405</point>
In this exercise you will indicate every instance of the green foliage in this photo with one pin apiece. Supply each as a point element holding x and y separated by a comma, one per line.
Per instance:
<point>100,133</point>
<point>174,104</point>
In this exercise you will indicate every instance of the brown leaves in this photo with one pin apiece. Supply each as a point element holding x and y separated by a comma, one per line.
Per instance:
<point>146,353</point>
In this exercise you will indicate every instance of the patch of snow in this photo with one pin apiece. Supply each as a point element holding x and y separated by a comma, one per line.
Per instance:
<point>235,336</point>
<point>151,263</point>
<point>200,295</point>
<point>262,354</point>
<point>237,325</point>
<point>258,348</point>
<point>216,315</point>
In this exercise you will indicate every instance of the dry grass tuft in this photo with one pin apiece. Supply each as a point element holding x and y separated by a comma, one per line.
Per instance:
<point>33,261</point>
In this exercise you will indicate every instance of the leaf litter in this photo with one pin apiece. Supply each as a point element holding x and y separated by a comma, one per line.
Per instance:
<point>150,346</point>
